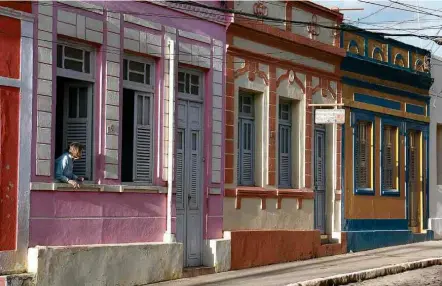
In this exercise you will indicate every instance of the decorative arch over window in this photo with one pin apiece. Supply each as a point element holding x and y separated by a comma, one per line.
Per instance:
<point>399,60</point>
<point>419,65</point>
<point>378,54</point>
<point>353,47</point>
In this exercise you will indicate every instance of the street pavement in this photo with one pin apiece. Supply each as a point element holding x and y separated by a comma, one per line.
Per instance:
<point>431,276</point>
<point>295,272</point>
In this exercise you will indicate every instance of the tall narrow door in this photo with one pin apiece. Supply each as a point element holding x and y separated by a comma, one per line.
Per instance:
<point>413,190</point>
<point>189,169</point>
<point>319,173</point>
<point>78,124</point>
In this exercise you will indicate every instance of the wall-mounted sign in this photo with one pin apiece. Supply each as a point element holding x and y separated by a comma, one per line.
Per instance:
<point>330,116</point>
<point>260,9</point>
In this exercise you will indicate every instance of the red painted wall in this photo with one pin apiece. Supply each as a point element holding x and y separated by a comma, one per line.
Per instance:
<point>24,6</point>
<point>10,30</point>
<point>9,148</point>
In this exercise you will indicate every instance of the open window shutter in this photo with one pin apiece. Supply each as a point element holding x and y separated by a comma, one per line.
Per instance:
<point>246,159</point>
<point>238,153</point>
<point>319,159</point>
<point>143,139</point>
<point>356,159</point>
<point>388,159</point>
<point>77,120</point>
<point>284,156</point>
<point>180,169</point>
<point>363,158</point>
<point>195,158</point>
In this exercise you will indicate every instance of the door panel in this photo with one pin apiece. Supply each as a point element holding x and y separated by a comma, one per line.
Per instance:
<point>189,181</point>
<point>320,180</point>
<point>413,168</point>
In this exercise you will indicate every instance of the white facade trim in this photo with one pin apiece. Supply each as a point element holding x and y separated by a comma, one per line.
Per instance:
<point>8,12</point>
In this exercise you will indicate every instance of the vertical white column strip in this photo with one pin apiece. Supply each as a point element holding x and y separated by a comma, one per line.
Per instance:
<point>168,235</point>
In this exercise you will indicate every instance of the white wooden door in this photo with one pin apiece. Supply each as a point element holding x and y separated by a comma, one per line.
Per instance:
<point>189,180</point>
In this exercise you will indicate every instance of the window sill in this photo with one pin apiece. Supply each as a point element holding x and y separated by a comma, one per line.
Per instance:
<point>364,192</point>
<point>264,194</point>
<point>92,187</point>
<point>390,193</point>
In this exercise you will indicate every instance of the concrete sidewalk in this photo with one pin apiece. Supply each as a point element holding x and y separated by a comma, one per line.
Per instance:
<point>358,265</point>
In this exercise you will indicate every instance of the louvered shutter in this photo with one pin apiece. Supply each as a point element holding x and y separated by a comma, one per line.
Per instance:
<point>194,171</point>
<point>180,169</point>
<point>387,173</point>
<point>284,156</point>
<point>76,131</point>
<point>356,157</point>
<point>77,117</point>
<point>246,156</point>
<point>363,158</point>
<point>143,139</point>
<point>319,159</point>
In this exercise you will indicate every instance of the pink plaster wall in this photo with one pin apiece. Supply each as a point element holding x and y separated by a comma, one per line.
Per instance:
<point>73,218</point>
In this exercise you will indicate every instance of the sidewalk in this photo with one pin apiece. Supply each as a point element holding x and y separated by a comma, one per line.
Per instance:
<point>427,253</point>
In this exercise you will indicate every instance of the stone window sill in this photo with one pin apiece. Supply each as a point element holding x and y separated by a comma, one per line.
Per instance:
<point>92,187</point>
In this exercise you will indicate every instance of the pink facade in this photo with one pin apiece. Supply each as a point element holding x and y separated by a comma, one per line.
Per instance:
<point>108,209</point>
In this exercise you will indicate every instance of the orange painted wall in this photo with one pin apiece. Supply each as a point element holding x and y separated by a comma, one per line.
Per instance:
<point>9,152</point>
<point>252,248</point>
<point>24,6</point>
<point>377,206</point>
<point>10,34</point>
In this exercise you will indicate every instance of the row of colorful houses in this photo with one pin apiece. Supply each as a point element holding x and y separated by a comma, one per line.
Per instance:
<point>203,142</point>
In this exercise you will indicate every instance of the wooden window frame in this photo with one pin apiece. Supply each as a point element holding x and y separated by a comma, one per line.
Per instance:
<point>358,117</point>
<point>395,191</point>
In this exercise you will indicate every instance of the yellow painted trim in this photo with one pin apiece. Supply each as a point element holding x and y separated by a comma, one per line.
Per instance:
<point>374,108</point>
<point>377,152</point>
<point>392,84</point>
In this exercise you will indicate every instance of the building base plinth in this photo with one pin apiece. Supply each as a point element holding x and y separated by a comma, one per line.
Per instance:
<point>216,253</point>
<point>435,224</point>
<point>123,264</point>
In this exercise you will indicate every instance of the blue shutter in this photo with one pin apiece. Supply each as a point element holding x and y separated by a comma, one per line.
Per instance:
<point>284,150</point>
<point>247,152</point>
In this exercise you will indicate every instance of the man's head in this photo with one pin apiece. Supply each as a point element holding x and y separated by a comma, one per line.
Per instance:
<point>76,150</point>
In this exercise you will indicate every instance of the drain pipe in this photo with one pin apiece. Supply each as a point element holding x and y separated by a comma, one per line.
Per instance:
<point>169,236</point>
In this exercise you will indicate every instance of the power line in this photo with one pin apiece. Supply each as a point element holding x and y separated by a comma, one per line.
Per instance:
<point>374,13</point>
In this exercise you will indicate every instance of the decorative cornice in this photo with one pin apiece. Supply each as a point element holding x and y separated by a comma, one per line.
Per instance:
<point>200,12</point>
<point>252,68</point>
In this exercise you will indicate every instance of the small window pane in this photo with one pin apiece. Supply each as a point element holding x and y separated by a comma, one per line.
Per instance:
<point>87,62</point>
<point>180,87</point>
<point>247,109</point>
<point>194,90</point>
<point>139,110</point>
<point>72,102</point>
<point>194,142</point>
<point>195,79</point>
<point>125,69</point>
<point>136,66</point>
<point>73,65</point>
<point>146,110</point>
<point>73,53</point>
<point>181,76</point>
<point>247,100</point>
<point>179,141</point>
<point>147,74</point>
<point>82,103</point>
<point>59,56</point>
<point>187,83</point>
<point>136,77</point>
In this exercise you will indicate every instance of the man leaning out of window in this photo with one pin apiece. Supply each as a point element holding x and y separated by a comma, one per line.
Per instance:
<point>64,165</point>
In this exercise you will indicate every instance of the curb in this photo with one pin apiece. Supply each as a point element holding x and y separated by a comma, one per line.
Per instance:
<point>353,277</point>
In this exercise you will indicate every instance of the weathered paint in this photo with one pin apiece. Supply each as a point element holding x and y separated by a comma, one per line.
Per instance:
<point>79,218</point>
<point>196,31</point>
<point>10,47</point>
<point>382,90</point>
<point>259,247</point>
<point>9,136</point>
<point>24,6</point>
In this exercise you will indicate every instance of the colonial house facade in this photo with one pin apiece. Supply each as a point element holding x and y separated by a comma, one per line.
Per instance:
<point>385,141</point>
<point>282,172</point>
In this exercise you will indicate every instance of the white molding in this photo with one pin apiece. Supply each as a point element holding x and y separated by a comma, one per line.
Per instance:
<point>12,82</point>
<point>194,36</point>
<point>142,22</point>
<point>84,6</point>
<point>8,12</point>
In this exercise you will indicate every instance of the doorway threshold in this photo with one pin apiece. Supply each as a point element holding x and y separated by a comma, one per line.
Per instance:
<point>189,272</point>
